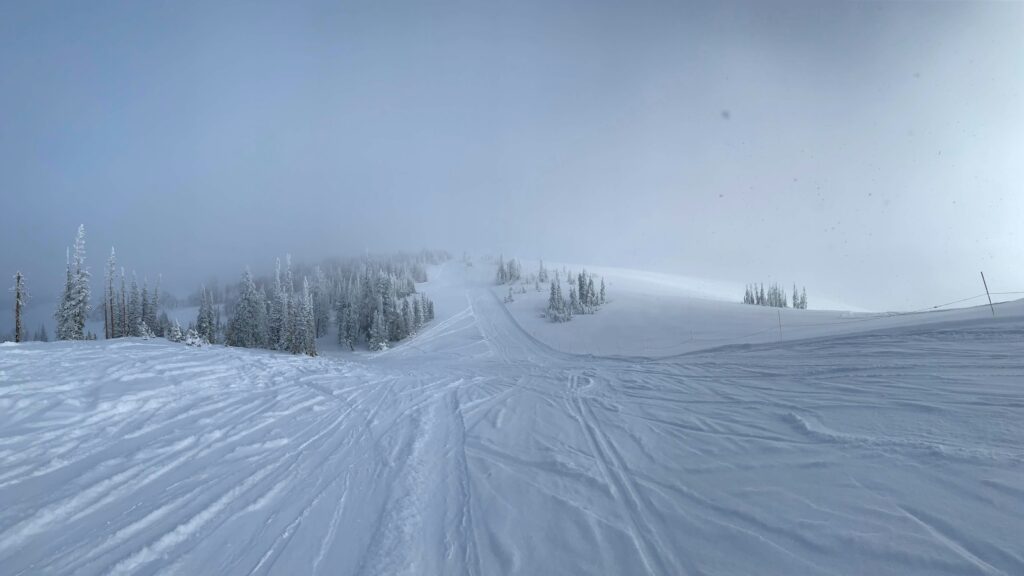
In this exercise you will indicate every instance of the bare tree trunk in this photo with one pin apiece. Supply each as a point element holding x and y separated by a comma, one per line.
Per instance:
<point>19,303</point>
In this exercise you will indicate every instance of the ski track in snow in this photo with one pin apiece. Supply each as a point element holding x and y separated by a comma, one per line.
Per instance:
<point>476,449</point>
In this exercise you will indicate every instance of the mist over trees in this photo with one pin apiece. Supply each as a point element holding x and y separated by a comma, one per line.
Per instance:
<point>774,296</point>
<point>373,301</point>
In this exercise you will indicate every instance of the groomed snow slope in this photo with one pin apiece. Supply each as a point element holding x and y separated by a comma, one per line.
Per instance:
<point>476,449</point>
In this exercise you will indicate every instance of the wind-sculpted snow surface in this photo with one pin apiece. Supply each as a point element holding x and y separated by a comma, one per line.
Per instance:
<point>475,449</point>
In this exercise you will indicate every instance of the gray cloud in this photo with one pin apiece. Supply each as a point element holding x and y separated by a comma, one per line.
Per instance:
<point>868,150</point>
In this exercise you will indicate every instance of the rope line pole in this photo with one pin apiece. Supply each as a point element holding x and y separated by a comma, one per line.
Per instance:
<point>991,307</point>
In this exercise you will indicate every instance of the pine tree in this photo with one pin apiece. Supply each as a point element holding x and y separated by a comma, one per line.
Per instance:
<point>417,314</point>
<point>378,332</point>
<point>348,323</point>
<point>108,297</point>
<point>553,309</point>
<point>82,292</point>
<point>163,323</point>
<point>321,302</point>
<point>581,293</point>
<point>121,304</point>
<point>803,299</point>
<point>152,318</point>
<point>20,298</point>
<point>146,305</point>
<point>308,331</point>
<point>134,308</point>
<point>243,326</point>
<point>205,321</point>
<point>276,319</point>
<point>262,319</point>
<point>502,275</point>
<point>41,335</point>
<point>74,306</point>
<point>407,317</point>
<point>557,310</point>
<point>174,332</point>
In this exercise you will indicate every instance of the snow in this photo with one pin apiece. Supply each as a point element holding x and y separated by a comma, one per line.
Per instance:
<point>653,315</point>
<point>886,446</point>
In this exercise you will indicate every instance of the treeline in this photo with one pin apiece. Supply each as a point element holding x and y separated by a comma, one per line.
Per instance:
<point>127,310</point>
<point>774,296</point>
<point>373,301</point>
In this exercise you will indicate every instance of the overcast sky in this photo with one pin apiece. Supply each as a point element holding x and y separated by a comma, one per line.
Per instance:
<point>871,151</point>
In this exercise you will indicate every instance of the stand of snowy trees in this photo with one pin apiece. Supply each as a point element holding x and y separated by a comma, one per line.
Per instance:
<point>585,292</point>
<point>373,300</point>
<point>774,296</point>
<point>508,272</point>
<point>127,309</point>
<point>585,297</point>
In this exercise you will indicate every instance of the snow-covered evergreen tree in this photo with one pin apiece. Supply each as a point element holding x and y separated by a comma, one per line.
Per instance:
<point>276,321</point>
<point>205,321</point>
<point>321,302</point>
<point>262,319</point>
<point>408,320</point>
<point>134,308</point>
<point>151,317</point>
<point>308,316</point>
<point>243,328</point>
<point>417,314</point>
<point>348,322</point>
<point>74,306</point>
<point>174,332</point>
<point>146,305</point>
<point>501,276</point>
<point>192,338</point>
<point>378,332</point>
<point>109,307</point>
<point>122,307</point>
<point>557,310</point>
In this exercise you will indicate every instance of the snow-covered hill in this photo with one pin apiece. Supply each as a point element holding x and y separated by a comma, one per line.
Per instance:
<point>653,315</point>
<point>477,448</point>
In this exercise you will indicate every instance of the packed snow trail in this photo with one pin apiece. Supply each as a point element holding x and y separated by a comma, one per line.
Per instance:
<point>475,449</point>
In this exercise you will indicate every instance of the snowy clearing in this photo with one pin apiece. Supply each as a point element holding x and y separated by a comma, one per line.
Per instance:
<point>475,448</point>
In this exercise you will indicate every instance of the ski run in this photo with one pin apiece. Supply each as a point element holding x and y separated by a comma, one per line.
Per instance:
<point>476,448</point>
